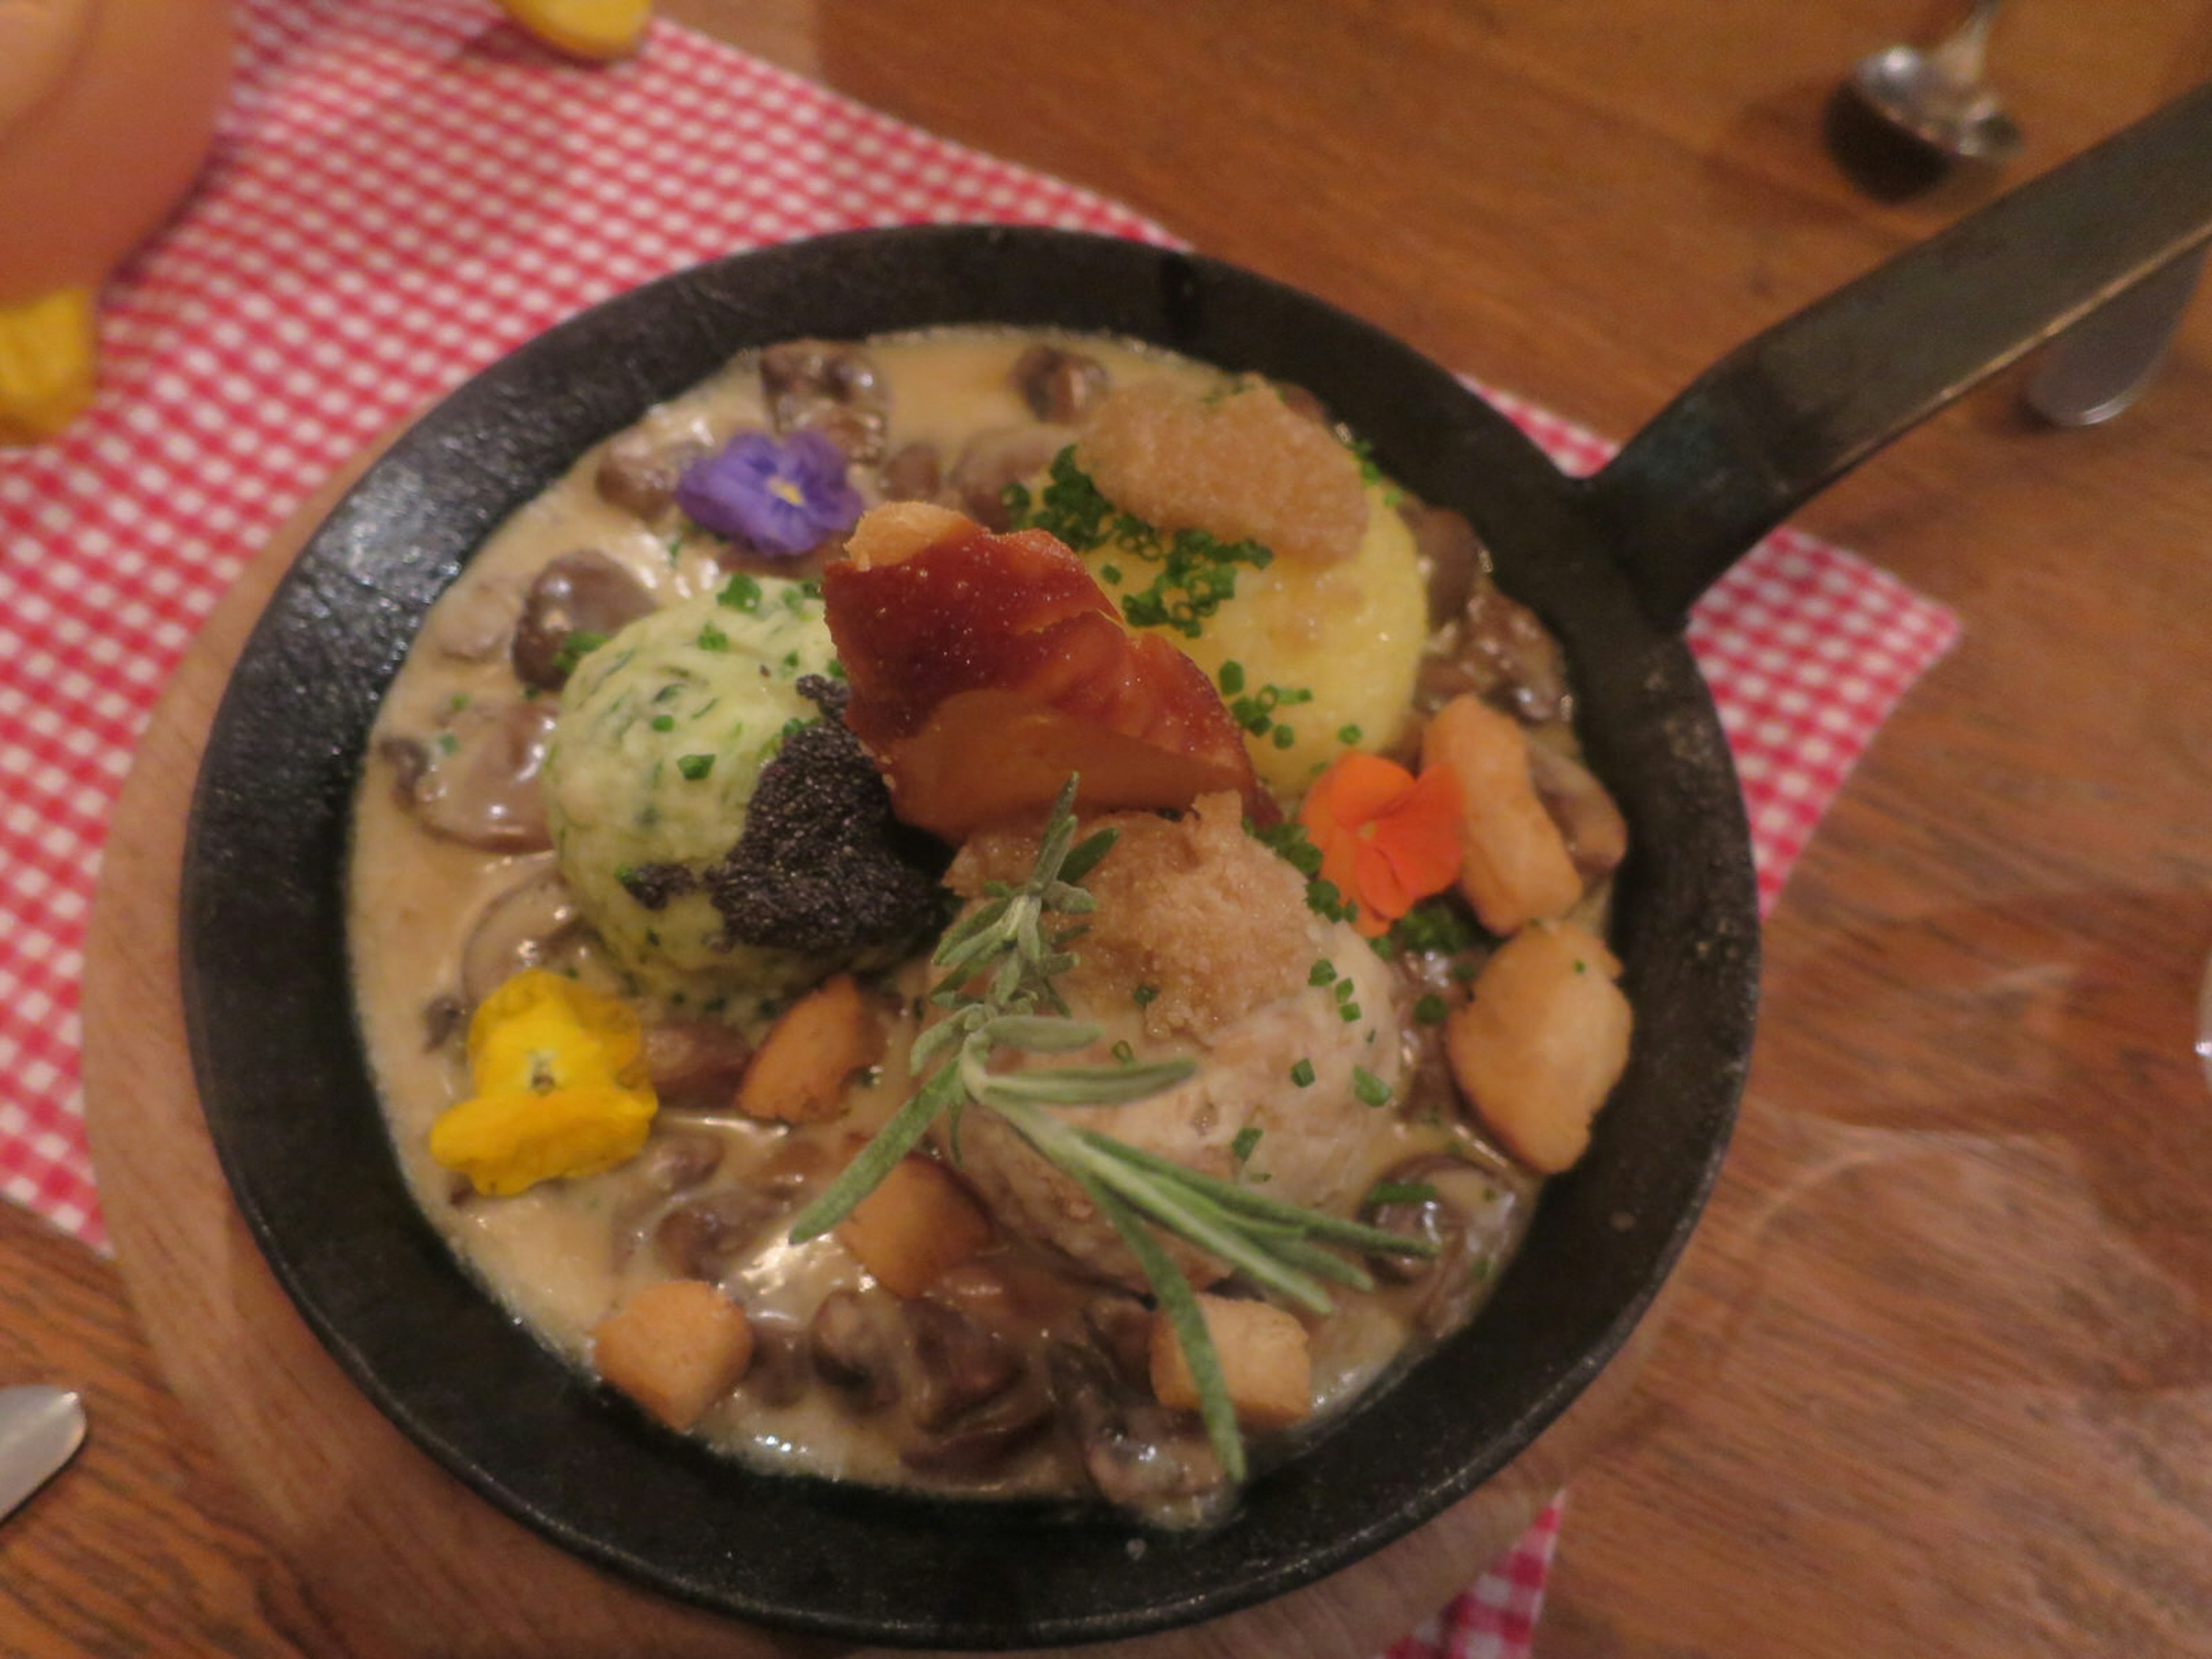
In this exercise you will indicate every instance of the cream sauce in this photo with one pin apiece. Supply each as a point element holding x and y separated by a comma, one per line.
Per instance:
<point>563,1255</point>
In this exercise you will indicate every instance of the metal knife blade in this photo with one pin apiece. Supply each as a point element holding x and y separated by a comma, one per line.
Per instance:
<point>2104,363</point>
<point>40,1429</point>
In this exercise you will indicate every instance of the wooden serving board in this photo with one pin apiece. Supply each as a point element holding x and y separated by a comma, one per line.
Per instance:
<point>406,1559</point>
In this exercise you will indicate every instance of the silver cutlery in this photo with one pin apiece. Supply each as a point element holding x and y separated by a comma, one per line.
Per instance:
<point>40,1429</point>
<point>1942,96</point>
<point>2104,363</point>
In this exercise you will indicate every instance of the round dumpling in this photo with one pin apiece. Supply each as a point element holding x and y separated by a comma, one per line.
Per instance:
<point>1315,652</point>
<point>661,738</point>
<point>1203,946</point>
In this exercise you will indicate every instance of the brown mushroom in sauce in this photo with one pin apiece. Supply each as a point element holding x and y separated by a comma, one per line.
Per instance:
<point>638,471</point>
<point>476,781</point>
<point>915,473</point>
<point>1596,832</point>
<point>993,459</point>
<point>1500,652</point>
<point>695,1059</point>
<point>854,1338</point>
<point>830,387</point>
<point>979,1442</point>
<point>704,1236</point>
<point>957,1364</point>
<point>675,1161</point>
<point>1138,1455</point>
<point>1462,1209</point>
<point>473,622</point>
<point>523,928</point>
<point>580,597</point>
<point>1061,386</point>
<point>781,1371</point>
<point>1451,553</point>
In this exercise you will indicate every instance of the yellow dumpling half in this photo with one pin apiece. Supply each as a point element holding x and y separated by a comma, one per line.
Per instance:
<point>1317,657</point>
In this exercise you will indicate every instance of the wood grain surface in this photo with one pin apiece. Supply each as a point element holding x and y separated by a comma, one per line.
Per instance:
<point>1939,1375</point>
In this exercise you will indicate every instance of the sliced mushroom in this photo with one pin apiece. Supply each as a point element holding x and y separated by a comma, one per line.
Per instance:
<point>1059,386</point>
<point>1450,556</point>
<point>991,460</point>
<point>1009,1293</point>
<point>1141,1457</point>
<point>479,783</point>
<point>705,1236</point>
<point>830,387</point>
<point>1455,1205</point>
<point>472,623</point>
<point>695,1059</point>
<point>639,472</point>
<point>1122,1328</point>
<point>675,1161</point>
<point>1596,833</point>
<point>782,1369</point>
<point>410,760</point>
<point>957,1364</point>
<point>1499,652</point>
<point>581,593</point>
<point>980,1442</point>
<point>443,1019</point>
<point>915,473</point>
<point>521,929</point>
<point>854,1337</point>
<point>791,1170</point>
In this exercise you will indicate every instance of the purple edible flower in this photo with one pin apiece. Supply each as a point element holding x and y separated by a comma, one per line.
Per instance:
<point>783,498</point>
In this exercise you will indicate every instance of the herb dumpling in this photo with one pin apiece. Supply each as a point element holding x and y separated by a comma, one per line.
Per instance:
<point>661,738</point>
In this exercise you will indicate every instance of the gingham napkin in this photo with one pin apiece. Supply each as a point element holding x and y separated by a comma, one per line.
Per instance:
<point>402,190</point>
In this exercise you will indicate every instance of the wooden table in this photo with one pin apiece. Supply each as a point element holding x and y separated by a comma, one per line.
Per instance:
<point>1939,1377</point>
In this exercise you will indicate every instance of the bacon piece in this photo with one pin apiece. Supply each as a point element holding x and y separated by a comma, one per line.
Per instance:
<point>987,668</point>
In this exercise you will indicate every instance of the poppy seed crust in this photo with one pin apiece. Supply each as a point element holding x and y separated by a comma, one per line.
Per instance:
<point>823,865</point>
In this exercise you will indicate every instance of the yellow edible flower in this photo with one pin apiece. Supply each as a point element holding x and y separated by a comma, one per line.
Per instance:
<point>560,1087</point>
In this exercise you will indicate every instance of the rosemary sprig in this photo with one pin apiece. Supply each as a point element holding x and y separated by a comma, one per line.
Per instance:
<point>997,967</point>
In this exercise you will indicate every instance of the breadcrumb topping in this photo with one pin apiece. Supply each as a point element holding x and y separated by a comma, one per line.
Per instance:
<point>1197,923</point>
<point>1244,465</point>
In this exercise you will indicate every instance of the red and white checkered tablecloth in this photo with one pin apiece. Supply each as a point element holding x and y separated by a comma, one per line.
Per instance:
<point>403,190</point>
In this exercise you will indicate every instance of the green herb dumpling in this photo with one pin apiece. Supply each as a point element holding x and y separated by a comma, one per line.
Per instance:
<point>663,733</point>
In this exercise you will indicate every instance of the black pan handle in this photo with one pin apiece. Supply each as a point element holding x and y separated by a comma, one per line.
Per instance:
<point>1787,413</point>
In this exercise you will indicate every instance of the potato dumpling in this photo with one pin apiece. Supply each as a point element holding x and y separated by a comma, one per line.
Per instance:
<point>1516,866</point>
<point>1541,1042</point>
<point>1349,633</point>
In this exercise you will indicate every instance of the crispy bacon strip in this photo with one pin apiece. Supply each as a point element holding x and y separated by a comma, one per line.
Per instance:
<point>987,668</point>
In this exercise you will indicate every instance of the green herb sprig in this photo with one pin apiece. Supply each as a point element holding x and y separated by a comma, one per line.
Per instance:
<point>997,967</point>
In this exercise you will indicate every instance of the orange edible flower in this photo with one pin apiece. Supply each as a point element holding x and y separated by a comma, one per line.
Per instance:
<point>1387,839</point>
